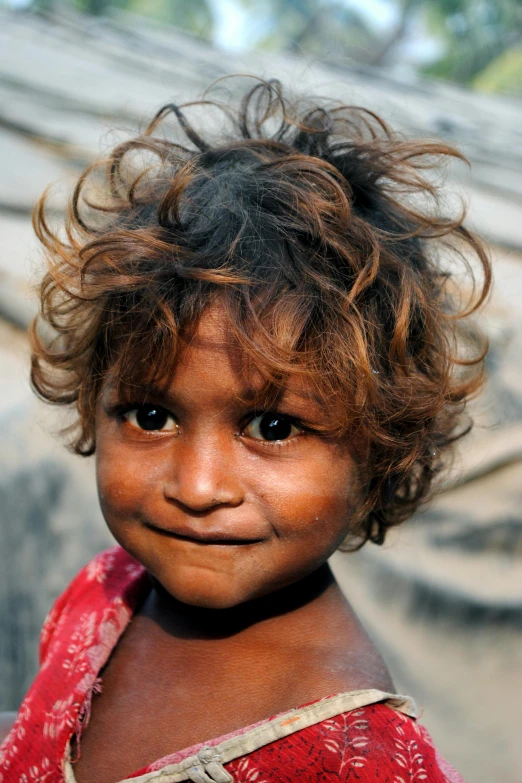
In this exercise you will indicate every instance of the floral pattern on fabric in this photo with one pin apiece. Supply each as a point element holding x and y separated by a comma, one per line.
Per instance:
<point>77,638</point>
<point>373,743</point>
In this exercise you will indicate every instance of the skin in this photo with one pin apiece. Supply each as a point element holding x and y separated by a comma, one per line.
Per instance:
<point>244,618</point>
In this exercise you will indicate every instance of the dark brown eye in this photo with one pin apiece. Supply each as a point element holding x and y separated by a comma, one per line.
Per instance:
<point>271,427</point>
<point>151,418</point>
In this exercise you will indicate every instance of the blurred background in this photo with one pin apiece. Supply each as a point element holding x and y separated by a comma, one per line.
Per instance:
<point>443,597</point>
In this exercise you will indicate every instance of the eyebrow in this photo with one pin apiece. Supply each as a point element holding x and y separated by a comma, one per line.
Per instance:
<point>247,394</point>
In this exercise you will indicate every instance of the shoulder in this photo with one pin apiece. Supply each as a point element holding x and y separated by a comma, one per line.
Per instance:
<point>379,742</point>
<point>109,574</point>
<point>372,743</point>
<point>78,636</point>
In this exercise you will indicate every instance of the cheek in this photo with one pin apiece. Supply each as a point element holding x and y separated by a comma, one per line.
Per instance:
<point>123,481</point>
<point>318,503</point>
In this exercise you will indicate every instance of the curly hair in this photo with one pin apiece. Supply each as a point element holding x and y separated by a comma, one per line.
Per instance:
<point>327,245</point>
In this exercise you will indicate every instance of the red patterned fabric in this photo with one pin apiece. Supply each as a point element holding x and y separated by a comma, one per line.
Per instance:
<point>371,744</point>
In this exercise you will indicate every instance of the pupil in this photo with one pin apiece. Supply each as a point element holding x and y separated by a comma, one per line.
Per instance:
<point>151,418</point>
<point>275,428</point>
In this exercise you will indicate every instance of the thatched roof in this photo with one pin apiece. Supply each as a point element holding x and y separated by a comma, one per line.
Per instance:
<point>67,80</point>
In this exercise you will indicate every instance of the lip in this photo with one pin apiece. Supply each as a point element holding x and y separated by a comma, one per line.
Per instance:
<point>208,537</point>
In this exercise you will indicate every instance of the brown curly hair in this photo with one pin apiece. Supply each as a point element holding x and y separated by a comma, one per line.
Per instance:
<point>327,246</point>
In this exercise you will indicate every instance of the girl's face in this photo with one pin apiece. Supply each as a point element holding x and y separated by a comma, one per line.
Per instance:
<point>222,503</point>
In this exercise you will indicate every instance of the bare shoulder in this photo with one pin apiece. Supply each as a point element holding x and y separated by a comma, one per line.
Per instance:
<point>6,724</point>
<point>347,654</point>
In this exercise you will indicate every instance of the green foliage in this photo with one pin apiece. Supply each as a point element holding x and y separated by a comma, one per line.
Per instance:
<point>480,40</point>
<point>475,34</point>
<point>504,74</point>
<point>194,16</point>
<point>323,28</point>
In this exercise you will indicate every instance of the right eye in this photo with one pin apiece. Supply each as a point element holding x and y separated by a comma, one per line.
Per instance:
<point>271,427</point>
<point>151,418</point>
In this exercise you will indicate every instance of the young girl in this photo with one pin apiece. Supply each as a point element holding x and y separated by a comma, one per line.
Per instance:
<point>256,330</point>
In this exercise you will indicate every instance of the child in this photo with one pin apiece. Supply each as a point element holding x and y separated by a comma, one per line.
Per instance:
<point>257,333</point>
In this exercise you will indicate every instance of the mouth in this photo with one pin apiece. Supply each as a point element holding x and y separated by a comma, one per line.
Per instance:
<point>205,538</point>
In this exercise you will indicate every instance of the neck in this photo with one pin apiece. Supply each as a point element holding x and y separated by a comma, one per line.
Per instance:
<point>193,622</point>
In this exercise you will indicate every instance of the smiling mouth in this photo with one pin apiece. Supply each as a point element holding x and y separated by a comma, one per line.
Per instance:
<point>214,539</point>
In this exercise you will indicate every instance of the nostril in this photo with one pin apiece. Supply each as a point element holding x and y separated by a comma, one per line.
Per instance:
<point>200,501</point>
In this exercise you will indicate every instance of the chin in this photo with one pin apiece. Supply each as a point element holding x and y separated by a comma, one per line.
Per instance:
<point>206,594</point>
<point>213,601</point>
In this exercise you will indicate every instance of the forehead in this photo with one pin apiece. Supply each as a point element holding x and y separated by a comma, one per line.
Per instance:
<point>212,333</point>
<point>209,357</point>
<point>215,351</point>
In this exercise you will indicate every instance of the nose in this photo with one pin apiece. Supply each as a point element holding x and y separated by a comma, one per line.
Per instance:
<point>203,474</point>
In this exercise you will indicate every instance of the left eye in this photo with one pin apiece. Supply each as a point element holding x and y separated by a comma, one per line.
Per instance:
<point>271,427</point>
<point>151,418</point>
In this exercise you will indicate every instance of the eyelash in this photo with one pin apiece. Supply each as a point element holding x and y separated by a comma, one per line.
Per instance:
<point>119,412</point>
<point>287,442</point>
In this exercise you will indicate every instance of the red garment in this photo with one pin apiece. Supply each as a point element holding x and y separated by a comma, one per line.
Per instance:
<point>363,737</point>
